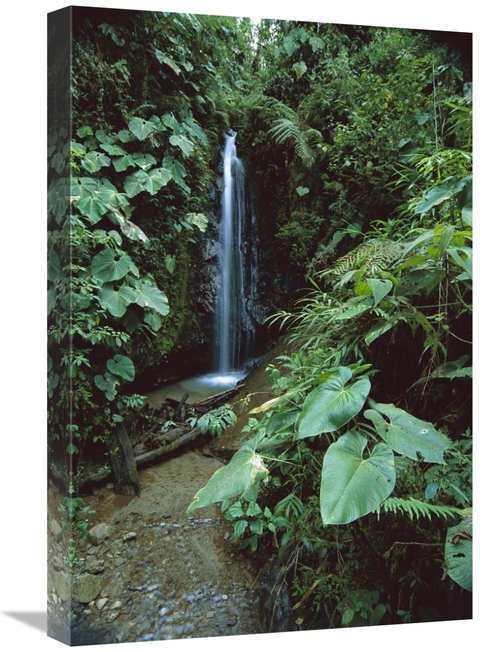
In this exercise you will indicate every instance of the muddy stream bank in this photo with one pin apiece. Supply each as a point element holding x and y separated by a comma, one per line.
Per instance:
<point>151,572</point>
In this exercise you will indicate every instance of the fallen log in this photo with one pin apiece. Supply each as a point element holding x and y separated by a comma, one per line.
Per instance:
<point>106,472</point>
<point>220,397</point>
<point>186,438</point>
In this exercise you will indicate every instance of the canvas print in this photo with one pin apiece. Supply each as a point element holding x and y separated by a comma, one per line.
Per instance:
<point>259,326</point>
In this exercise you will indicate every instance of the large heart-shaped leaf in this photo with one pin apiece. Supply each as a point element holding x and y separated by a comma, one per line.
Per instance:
<point>108,384</point>
<point>109,265</point>
<point>351,485</point>
<point>245,470</point>
<point>116,301</point>
<point>379,288</point>
<point>91,207</point>
<point>141,128</point>
<point>149,296</point>
<point>94,161</point>
<point>122,366</point>
<point>331,405</point>
<point>186,145</point>
<point>450,187</point>
<point>406,434</point>
<point>151,181</point>
<point>83,187</point>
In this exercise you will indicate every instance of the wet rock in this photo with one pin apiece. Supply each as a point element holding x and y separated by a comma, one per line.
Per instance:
<point>130,536</point>
<point>94,565</point>
<point>55,530</point>
<point>86,588</point>
<point>99,533</point>
<point>62,585</point>
<point>101,603</point>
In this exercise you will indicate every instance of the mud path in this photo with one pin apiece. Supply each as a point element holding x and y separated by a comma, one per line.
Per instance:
<point>150,571</point>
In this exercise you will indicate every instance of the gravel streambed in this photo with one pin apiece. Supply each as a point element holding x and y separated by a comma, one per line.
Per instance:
<point>149,571</point>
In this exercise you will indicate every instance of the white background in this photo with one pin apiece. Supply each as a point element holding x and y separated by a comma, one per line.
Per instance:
<point>23,326</point>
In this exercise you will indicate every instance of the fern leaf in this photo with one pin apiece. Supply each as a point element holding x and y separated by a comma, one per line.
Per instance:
<point>417,508</point>
<point>286,130</point>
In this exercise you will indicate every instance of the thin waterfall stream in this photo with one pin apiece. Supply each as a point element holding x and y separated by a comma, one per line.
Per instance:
<point>235,296</point>
<point>230,304</point>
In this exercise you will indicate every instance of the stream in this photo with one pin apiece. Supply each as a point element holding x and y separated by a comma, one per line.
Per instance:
<point>151,572</point>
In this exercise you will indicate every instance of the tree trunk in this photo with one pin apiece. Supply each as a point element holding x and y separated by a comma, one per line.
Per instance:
<point>122,459</point>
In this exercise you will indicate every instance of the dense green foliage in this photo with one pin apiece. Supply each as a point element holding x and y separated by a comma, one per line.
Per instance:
<point>366,143</point>
<point>358,145</point>
<point>139,168</point>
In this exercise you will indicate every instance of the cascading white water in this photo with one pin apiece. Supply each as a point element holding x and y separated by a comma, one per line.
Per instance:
<point>237,309</point>
<point>231,319</point>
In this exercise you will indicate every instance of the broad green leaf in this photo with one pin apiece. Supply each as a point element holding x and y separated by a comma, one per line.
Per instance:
<point>381,327</point>
<point>121,365</point>
<point>170,263</point>
<point>158,178</point>
<point>458,553</point>
<point>162,58</point>
<point>352,485</point>
<point>170,121</point>
<point>178,172</point>
<point>331,405</point>
<point>316,43</point>
<point>113,150</point>
<point>123,162</point>
<point>299,68</point>
<point>94,161</point>
<point>83,187</point>
<point>301,190</point>
<point>77,149</point>
<point>151,181</point>
<point>133,232</point>
<point>467,215</point>
<point>453,369</point>
<point>116,301</point>
<point>53,266</point>
<point>437,195</point>
<point>149,296</point>
<point>110,196</point>
<point>82,132</point>
<point>282,422</point>
<point>245,470</point>
<point>290,44</point>
<point>198,220</point>
<point>92,207</point>
<point>354,310</point>
<point>134,184</point>
<point>144,161</point>
<point>380,288</point>
<point>109,265</point>
<point>406,434</point>
<point>107,384</point>
<point>57,198</point>
<point>196,130</point>
<point>141,128</point>
<point>186,145</point>
<point>462,256</point>
<point>153,319</point>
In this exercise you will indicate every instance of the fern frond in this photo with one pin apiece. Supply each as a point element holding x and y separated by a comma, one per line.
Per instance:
<point>286,130</point>
<point>374,254</point>
<point>416,508</point>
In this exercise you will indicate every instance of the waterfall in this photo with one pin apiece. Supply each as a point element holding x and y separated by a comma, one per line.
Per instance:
<point>234,323</point>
